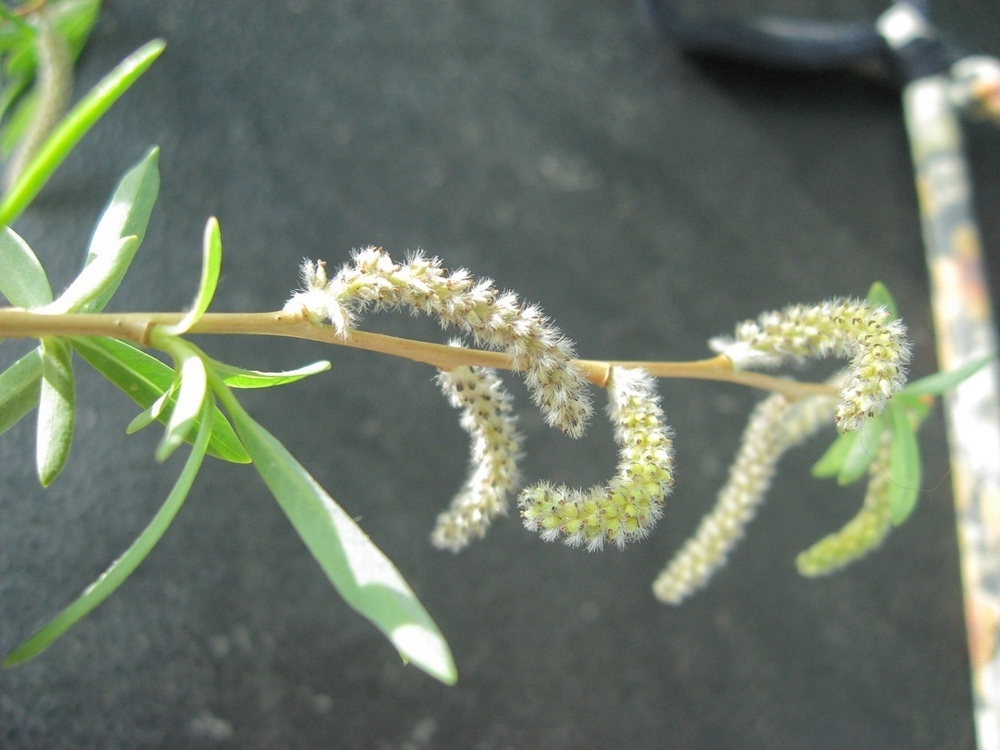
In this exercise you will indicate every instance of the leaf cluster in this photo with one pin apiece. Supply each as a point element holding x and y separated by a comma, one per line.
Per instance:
<point>193,396</point>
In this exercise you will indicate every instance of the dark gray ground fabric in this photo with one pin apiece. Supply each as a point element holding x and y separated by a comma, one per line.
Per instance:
<point>648,202</point>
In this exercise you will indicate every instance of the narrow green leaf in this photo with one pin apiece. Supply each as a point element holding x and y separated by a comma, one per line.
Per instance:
<point>153,412</point>
<point>362,574</point>
<point>123,567</point>
<point>127,214</point>
<point>879,296</point>
<point>862,452</point>
<point>191,394</point>
<point>73,127</point>
<point>904,467</point>
<point>830,463</point>
<point>144,379</point>
<point>237,377</point>
<point>96,280</point>
<point>17,122</point>
<point>211,264</point>
<point>22,281</point>
<point>56,409</point>
<point>942,382</point>
<point>19,388</point>
<point>74,20</point>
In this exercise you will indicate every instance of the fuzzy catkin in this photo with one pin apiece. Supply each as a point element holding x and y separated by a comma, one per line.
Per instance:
<point>873,342</point>
<point>775,426</point>
<point>492,318</point>
<point>627,507</point>
<point>863,533</point>
<point>487,415</point>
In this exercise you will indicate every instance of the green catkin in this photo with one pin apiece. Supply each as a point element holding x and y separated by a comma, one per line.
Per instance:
<point>625,508</point>
<point>863,533</point>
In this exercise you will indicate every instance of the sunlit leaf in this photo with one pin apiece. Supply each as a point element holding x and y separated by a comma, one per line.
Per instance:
<point>363,575</point>
<point>210,266</point>
<point>97,279</point>
<point>237,377</point>
<point>22,281</point>
<point>19,388</point>
<point>73,127</point>
<point>144,378</point>
<point>153,412</point>
<point>56,409</point>
<point>904,467</point>
<point>191,392</point>
<point>127,214</point>
<point>123,567</point>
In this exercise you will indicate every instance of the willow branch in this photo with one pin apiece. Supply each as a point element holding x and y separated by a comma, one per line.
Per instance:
<point>136,327</point>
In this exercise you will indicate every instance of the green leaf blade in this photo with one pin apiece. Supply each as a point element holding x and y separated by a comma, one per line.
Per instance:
<point>123,567</point>
<point>210,267</point>
<point>237,377</point>
<point>126,215</point>
<point>904,467</point>
<point>19,389</point>
<point>144,379</point>
<point>942,382</point>
<point>832,460</point>
<point>878,295</point>
<point>56,409</point>
<point>73,127</point>
<point>22,281</point>
<point>361,573</point>
<point>862,452</point>
<point>187,406</point>
<point>97,279</point>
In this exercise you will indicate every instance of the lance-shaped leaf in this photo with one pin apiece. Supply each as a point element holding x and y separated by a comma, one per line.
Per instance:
<point>904,466</point>
<point>73,20</point>
<point>22,281</point>
<point>942,382</point>
<point>237,377</point>
<point>126,215</point>
<point>145,379</point>
<point>359,570</point>
<point>862,452</point>
<point>832,460</point>
<point>211,264</point>
<point>73,127</point>
<point>121,568</point>
<point>96,280</point>
<point>19,388</point>
<point>878,294</point>
<point>56,409</point>
<point>191,392</point>
<point>153,412</point>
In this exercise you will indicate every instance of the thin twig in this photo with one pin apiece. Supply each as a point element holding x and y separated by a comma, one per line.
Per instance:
<point>135,327</point>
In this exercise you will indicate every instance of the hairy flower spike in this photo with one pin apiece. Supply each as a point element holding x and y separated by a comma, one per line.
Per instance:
<point>474,306</point>
<point>875,345</point>
<point>863,533</point>
<point>487,416</point>
<point>625,508</point>
<point>776,425</point>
